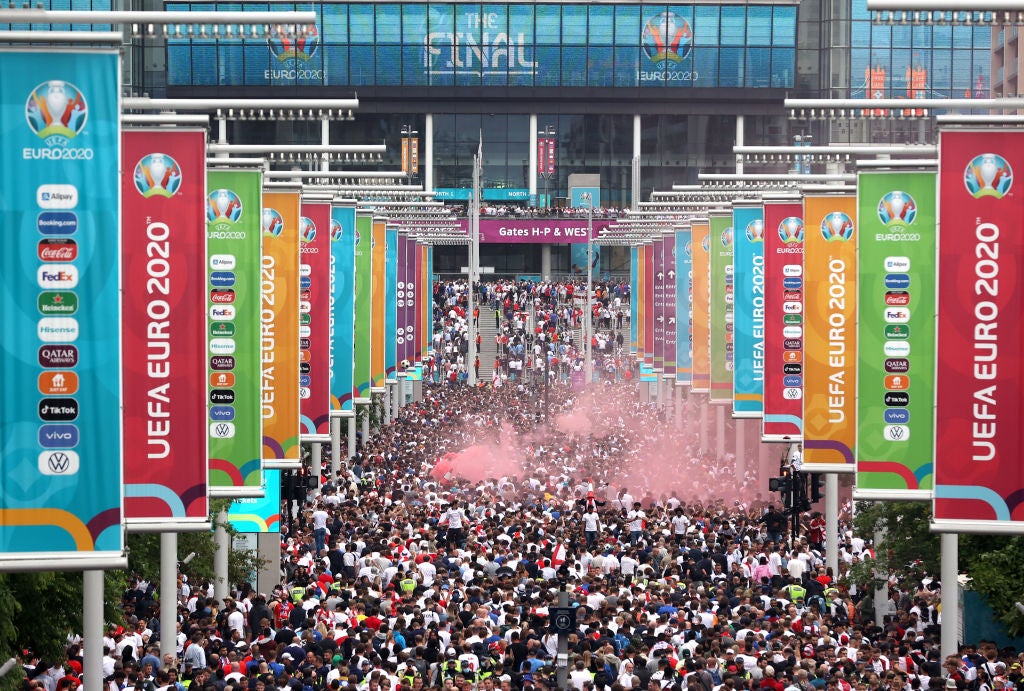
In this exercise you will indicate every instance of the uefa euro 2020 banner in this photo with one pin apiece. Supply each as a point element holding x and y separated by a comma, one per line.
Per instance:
<point>234,208</point>
<point>895,334</point>
<point>61,501</point>
<point>700,243</point>
<point>830,336</point>
<point>314,336</point>
<point>279,329</point>
<point>783,321</point>
<point>390,303</point>
<point>657,249</point>
<point>634,298</point>
<point>163,250</point>
<point>748,309</point>
<point>378,304</point>
<point>684,306</point>
<point>979,477</point>
<point>721,307</point>
<point>259,514</point>
<point>670,308</point>
<point>343,301</point>
<point>363,328</point>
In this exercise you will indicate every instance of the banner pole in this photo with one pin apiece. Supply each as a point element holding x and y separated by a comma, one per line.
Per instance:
<point>352,435</point>
<point>335,447</point>
<point>316,460</point>
<point>222,544</point>
<point>168,594</point>
<point>832,522</point>
<point>948,571</point>
<point>92,629</point>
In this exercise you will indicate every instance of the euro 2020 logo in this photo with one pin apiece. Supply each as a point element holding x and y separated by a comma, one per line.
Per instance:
<point>837,227</point>
<point>988,175</point>
<point>286,44</point>
<point>897,210</point>
<point>307,230</point>
<point>727,237</point>
<point>56,111</point>
<point>157,175</point>
<point>667,37</point>
<point>755,230</point>
<point>223,207</point>
<point>273,222</point>
<point>336,232</point>
<point>791,230</point>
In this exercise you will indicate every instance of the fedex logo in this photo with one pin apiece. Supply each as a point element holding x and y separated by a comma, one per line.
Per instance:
<point>57,276</point>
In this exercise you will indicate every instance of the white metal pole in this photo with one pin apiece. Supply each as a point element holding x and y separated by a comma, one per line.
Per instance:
<point>316,459</point>
<point>719,432</point>
<point>741,448</point>
<point>739,142</point>
<point>335,447</point>
<point>832,523</point>
<point>92,629</point>
<point>533,162</point>
<point>949,569</point>
<point>222,545</point>
<point>882,591</point>
<point>352,435</point>
<point>168,594</point>
<point>588,368</point>
<point>428,152</point>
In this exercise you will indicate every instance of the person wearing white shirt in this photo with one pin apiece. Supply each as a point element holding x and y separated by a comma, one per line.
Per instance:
<point>591,524</point>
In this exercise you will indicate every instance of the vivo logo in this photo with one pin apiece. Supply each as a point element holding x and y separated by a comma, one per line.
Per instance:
<point>897,416</point>
<point>222,413</point>
<point>792,380</point>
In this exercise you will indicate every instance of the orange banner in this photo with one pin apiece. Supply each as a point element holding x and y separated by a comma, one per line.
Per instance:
<point>830,333</point>
<point>701,297</point>
<point>377,305</point>
<point>279,334</point>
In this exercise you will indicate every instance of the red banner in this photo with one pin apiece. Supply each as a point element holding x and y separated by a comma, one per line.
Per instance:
<point>783,321</point>
<point>658,303</point>
<point>979,479</point>
<point>163,245</point>
<point>315,307</point>
<point>650,316</point>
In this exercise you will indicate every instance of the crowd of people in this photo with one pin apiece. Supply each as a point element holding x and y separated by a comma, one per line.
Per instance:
<point>434,558</point>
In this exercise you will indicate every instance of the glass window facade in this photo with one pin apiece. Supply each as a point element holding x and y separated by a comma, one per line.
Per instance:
<point>491,44</point>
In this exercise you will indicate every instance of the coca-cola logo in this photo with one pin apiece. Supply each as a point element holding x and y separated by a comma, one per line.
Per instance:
<point>57,250</point>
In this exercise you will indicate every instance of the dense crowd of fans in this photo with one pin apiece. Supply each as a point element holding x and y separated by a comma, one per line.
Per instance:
<point>432,561</point>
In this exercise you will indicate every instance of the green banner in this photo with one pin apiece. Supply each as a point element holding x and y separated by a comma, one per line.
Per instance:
<point>233,213</point>
<point>364,313</point>
<point>721,311</point>
<point>896,334</point>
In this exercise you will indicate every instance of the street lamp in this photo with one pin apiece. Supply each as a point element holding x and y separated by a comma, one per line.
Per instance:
<point>588,366</point>
<point>546,158</point>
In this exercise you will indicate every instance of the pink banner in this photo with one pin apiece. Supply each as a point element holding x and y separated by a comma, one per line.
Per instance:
<point>315,308</point>
<point>783,321</point>
<point>648,297</point>
<point>163,245</point>
<point>979,479</point>
<point>658,312</point>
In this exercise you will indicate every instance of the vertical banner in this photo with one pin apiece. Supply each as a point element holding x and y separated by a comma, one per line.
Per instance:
<point>60,361</point>
<point>830,335</point>
<point>315,336</point>
<point>163,207</point>
<point>784,321</point>
<point>418,318</point>
<point>279,332</point>
<point>233,246</point>
<point>391,303</point>
<point>259,515</point>
<point>634,299</point>
<point>684,306</point>
<point>657,249</point>
<point>343,307</point>
<point>428,334</point>
<point>403,284</point>
<point>748,309</point>
<point>378,304</point>
<point>895,334</point>
<point>641,304</point>
<point>721,307</point>
<point>669,245</point>
<point>363,314</point>
<point>700,244</point>
<point>979,478</point>
<point>650,316</point>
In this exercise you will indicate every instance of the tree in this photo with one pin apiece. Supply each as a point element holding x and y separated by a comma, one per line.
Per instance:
<point>909,551</point>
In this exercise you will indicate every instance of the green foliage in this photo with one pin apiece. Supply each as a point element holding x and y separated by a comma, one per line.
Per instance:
<point>909,550</point>
<point>144,554</point>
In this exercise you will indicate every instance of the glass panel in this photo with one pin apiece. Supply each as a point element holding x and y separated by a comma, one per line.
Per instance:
<point>413,71</point>
<point>627,25</point>
<point>706,25</point>
<point>705,67</point>
<point>361,70</point>
<point>759,26</point>
<point>733,26</point>
<point>574,66</point>
<point>337,57</point>
<point>549,24</point>
<point>548,59</point>
<point>335,24</point>
<point>784,26</point>
<point>574,25</point>
<point>389,61</point>
<point>783,67</point>
<point>730,72</point>
<point>360,22</point>
<point>627,66</point>
<point>759,62</point>
<point>602,24</point>
<point>389,25</point>
<point>520,23</point>
<point>414,23</point>
<point>601,66</point>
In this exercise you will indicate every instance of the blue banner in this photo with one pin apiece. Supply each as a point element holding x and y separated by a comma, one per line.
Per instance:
<point>391,301</point>
<point>748,309</point>
<point>434,44</point>
<point>343,270</point>
<point>684,306</point>
<point>634,297</point>
<point>261,515</point>
<point>60,363</point>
